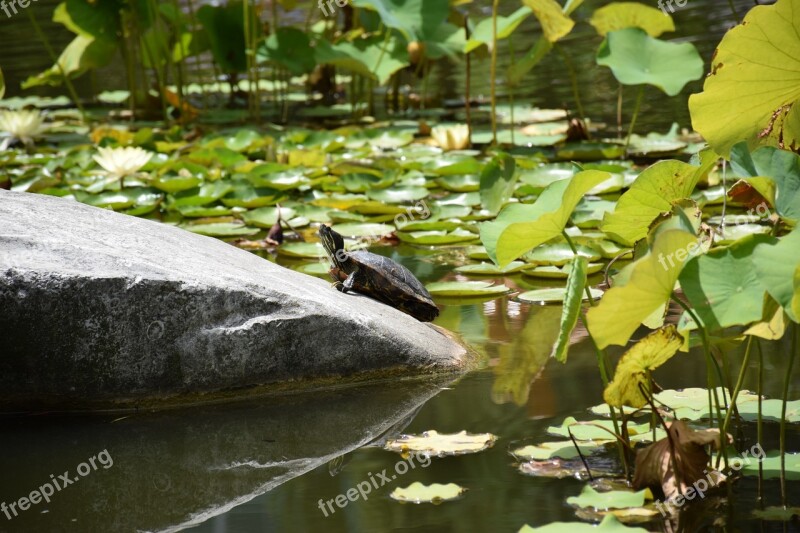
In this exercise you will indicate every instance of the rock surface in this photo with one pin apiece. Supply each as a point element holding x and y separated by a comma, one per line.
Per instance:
<point>97,306</point>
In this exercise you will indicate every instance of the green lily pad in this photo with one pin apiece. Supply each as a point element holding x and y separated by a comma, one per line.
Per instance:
<point>563,449</point>
<point>315,269</point>
<point>398,195</point>
<point>221,229</point>
<point>490,269</point>
<point>203,195</point>
<point>434,493</point>
<point>558,254</point>
<point>770,410</point>
<point>777,513</point>
<point>636,58</point>
<point>610,524</point>
<point>731,234</point>
<point>363,230</point>
<point>436,237</point>
<point>595,431</point>
<point>556,295</point>
<point>590,151</point>
<point>477,253</point>
<point>245,195</point>
<point>615,499</point>
<point>313,250</point>
<point>202,211</point>
<point>265,217</point>
<point>554,272</point>
<point>771,465</point>
<point>432,442</point>
<point>466,288</point>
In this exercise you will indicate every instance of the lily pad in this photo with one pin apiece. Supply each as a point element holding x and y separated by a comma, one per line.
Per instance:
<point>555,272</point>
<point>432,442</point>
<point>363,230</point>
<point>265,217</point>
<point>556,295</point>
<point>615,499</point>
<point>434,493</point>
<point>221,229</point>
<point>311,250</point>
<point>563,449</point>
<point>436,237</point>
<point>558,254</point>
<point>398,195</point>
<point>490,269</point>
<point>610,524</point>
<point>466,288</point>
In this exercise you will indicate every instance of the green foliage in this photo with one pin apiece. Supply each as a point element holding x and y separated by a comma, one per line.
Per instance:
<point>776,265</point>
<point>290,48</point>
<point>572,306</point>
<point>781,167</point>
<point>752,91</point>
<point>224,25</point>
<point>619,15</point>
<point>636,58</point>
<point>497,181</point>
<point>374,57</point>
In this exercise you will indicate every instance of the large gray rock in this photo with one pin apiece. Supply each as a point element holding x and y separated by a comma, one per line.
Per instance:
<point>100,307</point>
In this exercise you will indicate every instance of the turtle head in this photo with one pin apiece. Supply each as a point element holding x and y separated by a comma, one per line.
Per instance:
<point>333,244</point>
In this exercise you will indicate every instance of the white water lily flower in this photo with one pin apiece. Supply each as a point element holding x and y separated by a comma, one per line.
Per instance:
<point>451,137</point>
<point>121,162</point>
<point>24,125</point>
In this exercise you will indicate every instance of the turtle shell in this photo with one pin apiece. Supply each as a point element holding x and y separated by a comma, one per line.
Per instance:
<point>393,284</point>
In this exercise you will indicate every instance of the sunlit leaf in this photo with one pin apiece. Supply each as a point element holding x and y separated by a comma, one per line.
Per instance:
<point>497,182</point>
<point>753,89</point>
<point>775,265</point>
<point>633,369</point>
<point>779,166</point>
<point>636,58</point>
<point>564,449</point>
<point>555,23</point>
<point>419,493</point>
<point>615,499</point>
<point>623,309</point>
<point>432,442</point>
<point>465,288</point>
<point>556,295</point>
<point>618,15</point>
<point>610,524</point>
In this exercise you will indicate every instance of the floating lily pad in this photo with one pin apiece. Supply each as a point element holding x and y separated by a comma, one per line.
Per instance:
<point>460,183</point>
<point>615,499</point>
<point>363,230</point>
<point>432,442</point>
<point>777,513</point>
<point>564,449</point>
<point>554,272</point>
<point>610,524</point>
<point>466,288</point>
<point>315,269</point>
<point>590,151</point>
<point>558,254</point>
<point>770,410</point>
<point>593,430</point>
<point>302,249</point>
<point>436,237</point>
<point>221,229</point>
<point>434,493</point>
<point>490,269</point>
<point>478,253</point>
<point>771,465</point>
<point>556,295</point>
<point>265,217</point>
<point>398,195</point>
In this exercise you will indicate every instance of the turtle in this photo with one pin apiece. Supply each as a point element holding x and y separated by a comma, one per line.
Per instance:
<point>378,277</point>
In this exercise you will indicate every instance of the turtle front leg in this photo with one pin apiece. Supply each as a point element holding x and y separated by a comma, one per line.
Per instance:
<point>348,283</point>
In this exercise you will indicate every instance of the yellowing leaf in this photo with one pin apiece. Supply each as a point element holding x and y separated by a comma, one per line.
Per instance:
<point>434,443</point>
<point>555,24</point>
<point>632,369</point>
<point>618,15</point>
<point>773,323</point>
<point>753,89</point>
<point>520,237</point>
<point>653,193</point>
<point>622,309</point>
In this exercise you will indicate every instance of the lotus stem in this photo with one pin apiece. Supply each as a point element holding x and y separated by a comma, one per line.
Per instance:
<point>760,425</point>
<point>635,115</point>
<point>573,78</point>
<point>737,388</point>
<point>468,84</point>
<point>493,71</point>
<point>786,381</point>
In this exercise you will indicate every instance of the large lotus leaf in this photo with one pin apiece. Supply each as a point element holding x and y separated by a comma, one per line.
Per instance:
<point>519,237</point>
<point>375,57</point>
<point>618,15</point>
<point>100,20</point>
<point>572,306</point>
<point>448,40</point>
<point>555,23</point>
<point>82,54</point>
<point>497,182</point>
<point>634,367</point>
<point>610,524</point>
<point>636,58</point>
<point>776,265</point>
<point>290,48</point>
<point>653,278</point>
<point>224,25</point>
<point>780,166</point>
<point>482,34</point>
<point>753,89</point>
<point>415,19</point>
<point>723,285</point>
<point>653,193</point>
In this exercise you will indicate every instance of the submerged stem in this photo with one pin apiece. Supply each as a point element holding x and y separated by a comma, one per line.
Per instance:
<point>786,381</point>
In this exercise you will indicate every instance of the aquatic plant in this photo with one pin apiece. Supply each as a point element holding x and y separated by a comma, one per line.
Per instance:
<point>23,125</point>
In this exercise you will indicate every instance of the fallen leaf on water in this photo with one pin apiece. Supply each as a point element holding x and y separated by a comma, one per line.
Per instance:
<point>433,443</point>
